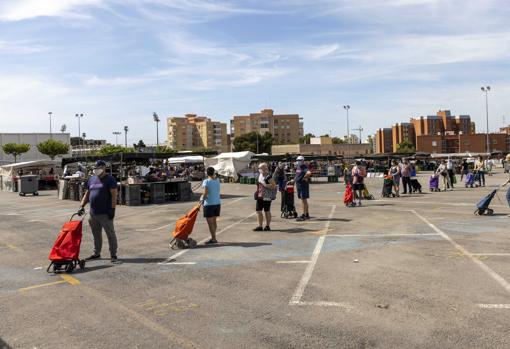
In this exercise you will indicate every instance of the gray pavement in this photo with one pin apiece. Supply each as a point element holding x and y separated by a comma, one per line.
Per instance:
<point>419,271</point>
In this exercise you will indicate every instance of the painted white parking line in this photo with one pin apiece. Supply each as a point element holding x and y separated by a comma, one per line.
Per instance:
<point>500,280</point>
<point>182,263</point>
<point>326,304</point>
<point>170,259</point>
<point>376,235</point>
<point>491,254</point>
<point>298,293</point>
<point>292,262</point>
<point>494,306</point>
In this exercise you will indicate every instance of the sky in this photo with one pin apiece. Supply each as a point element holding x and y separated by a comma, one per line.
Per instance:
<point>118,61</point>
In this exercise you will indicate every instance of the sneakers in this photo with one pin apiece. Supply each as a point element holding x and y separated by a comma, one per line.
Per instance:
<point>94,256</point>
<point>303,217</point>
<point>211,242</point>
<point>258,229</point>
<point>267,228</point>
<point>114,259</point>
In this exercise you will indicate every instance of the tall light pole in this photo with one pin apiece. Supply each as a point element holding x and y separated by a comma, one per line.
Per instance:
<point>116,133</point>
<point>79,116</point>
<point>486,90</point>
<point>51,134</point>
<point>156,120</point>
<point>126,129</point>
<point>347,107</point>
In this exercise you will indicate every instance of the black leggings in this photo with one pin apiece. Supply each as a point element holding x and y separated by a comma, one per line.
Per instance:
<point>406,182</point>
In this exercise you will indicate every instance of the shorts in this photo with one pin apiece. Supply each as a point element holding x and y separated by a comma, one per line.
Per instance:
<point>263,205</point>
<point>358,186</point>
<point>303,192</point>
<point>212,211</point>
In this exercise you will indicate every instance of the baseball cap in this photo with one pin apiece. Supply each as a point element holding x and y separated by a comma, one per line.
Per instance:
<point>100,163</point>
<point>300,158</point>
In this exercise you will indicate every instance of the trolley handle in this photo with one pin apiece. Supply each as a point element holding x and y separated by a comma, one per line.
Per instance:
<point>82,215</point>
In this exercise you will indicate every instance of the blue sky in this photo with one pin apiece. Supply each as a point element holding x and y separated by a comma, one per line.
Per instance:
<point>118,61</point>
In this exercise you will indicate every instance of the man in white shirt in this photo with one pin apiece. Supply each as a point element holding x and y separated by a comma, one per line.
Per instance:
<point>451,171</point>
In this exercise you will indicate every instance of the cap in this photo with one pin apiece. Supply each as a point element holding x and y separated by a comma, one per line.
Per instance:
<point>100,163</point>
<point>300,158</point>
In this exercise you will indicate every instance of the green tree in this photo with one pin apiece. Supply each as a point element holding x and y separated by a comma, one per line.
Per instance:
<point>139,145</point>
<point>337,140</point>
<point>248,142</point>
<point>53,148</point>
<point>15,149</point>
<point>306,138</point>
<point>405,147</point>
<point>114,149</point>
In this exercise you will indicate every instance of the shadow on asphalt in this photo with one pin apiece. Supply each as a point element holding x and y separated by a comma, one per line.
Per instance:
<point>236,244</point>
<point>94,268</point>
<point>4,345</point>
<point>232,196</point>
<point>293,230</point>
<point>142,260</point>
<point>331,219</point>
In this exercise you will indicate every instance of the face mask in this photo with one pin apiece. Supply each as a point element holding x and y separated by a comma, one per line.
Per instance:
<point>98,171</point>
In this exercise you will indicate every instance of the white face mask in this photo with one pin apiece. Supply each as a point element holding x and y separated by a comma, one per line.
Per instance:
<point>98,171</point>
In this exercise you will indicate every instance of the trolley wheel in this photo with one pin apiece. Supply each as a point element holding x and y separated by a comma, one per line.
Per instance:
<point>282,215</point>
<point>36,194</point>
<point>81,263</point>
<point>56,267</point>
<point>191,243</point>
<point>21,194</point>
<point>490,212</point>
<point>295,214</point>
<point>70,267</point>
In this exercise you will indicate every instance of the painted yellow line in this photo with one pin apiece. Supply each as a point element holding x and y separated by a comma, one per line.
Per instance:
<point>69,279</point>
<point>12,247</point>
<point>41,285</point>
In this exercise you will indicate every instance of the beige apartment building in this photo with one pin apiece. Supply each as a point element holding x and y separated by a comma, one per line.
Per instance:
<point>193,132</point>
<point>285,128</point>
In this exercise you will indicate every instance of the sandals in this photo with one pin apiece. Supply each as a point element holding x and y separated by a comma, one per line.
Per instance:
<point>211,242</point>
<point>258,229</point>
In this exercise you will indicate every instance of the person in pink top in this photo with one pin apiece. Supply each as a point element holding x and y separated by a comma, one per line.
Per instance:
<point>406,176</point>
<point>357,182</point>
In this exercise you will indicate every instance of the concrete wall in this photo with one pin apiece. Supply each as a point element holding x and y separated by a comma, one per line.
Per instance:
<point>30,138</point>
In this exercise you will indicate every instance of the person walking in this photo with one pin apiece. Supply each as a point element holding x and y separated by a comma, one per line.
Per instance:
<point>406,177</point>
<point>442,172</point>
<point>451,172</point>
<point>507,181</point>
<point>480,171</point>
<point>101,192</point>
<point>464,169</point>
<point>281,180</point>
<point>357,182</point>
<point>302,181</point>
<point>265,194</point>
<point>212,203</point>
<point>394,172</point>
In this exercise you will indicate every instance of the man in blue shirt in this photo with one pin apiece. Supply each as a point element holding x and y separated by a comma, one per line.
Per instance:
<point>102,194</point>
<point>302,180</point>
<point>212,203</point>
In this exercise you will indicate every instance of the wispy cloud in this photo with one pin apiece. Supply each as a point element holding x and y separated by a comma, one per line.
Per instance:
<point>17,10</point>
<point>21,47</point>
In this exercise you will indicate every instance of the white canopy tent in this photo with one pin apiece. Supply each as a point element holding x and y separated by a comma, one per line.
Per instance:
<point>195,159</point>
<point>230,164</point>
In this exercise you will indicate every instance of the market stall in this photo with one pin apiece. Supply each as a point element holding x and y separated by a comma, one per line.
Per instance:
<point>47,170</point>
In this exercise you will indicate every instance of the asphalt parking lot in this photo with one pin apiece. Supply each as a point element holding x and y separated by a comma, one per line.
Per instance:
<point>420,271</point>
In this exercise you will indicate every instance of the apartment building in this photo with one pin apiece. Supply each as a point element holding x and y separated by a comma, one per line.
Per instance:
<point>193,132</point>
<point>403,132</point>
<point>462,143</point>
<point>383,140</point>
<point>285,128</point>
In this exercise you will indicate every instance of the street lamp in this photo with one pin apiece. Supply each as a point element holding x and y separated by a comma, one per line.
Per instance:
<point>347,107</point>
<point>486,90</point>
<point>156,120</point>
<point>126,129</point>
<point>79,116</point>
<point>117,133</point>
<point>51,134</point>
